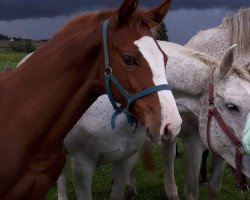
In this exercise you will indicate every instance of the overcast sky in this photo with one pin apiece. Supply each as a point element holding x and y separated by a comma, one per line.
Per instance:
<point>39,19</point>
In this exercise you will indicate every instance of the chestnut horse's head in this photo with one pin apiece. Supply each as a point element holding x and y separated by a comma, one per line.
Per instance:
<point>139,63</point>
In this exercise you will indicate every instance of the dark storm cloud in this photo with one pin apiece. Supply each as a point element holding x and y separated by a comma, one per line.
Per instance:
<point>21,9</point>
<point>208,4</point>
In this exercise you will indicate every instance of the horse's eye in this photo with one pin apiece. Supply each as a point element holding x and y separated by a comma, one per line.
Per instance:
<point>128,60</point>
<point>232,107</point>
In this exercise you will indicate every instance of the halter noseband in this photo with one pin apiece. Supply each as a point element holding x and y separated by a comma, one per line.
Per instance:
<point>109,77</point>
<point>213,112</point>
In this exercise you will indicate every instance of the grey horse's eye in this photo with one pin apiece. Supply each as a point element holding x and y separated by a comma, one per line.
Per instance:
<point>128,60</point>
<point>232,107</point>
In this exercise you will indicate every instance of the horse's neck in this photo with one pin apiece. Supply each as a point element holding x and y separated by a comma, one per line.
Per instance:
<point>212,41</point>
<point>54,87</point>
<point>215,42</point>
<point>188,77</point>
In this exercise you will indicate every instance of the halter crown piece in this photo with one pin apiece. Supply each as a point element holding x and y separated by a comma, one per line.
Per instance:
<point>109,77</point>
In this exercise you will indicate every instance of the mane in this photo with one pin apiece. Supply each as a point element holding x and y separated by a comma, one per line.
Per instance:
<point>239,29</point>
<point>87,20</point>
<point>237,69</point>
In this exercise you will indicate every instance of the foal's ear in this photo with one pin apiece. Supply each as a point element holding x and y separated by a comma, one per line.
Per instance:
<point>227,62</point>
<point>126,10</point>
<point>157,14</point>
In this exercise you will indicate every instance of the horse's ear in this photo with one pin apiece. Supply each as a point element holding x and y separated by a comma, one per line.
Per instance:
<point>227,62</point>
<point>157,14</point>
<point>126,10</point>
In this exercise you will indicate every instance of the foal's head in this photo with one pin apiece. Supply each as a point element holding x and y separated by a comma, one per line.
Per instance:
<point>139,63</point>
<point>136,59</point>
<point>232,99</point>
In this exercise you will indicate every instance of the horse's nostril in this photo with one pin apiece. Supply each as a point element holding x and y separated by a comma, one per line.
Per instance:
<point>166,135</point>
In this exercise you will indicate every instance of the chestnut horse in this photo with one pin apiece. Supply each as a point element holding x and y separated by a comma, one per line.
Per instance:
<point>43,99</point>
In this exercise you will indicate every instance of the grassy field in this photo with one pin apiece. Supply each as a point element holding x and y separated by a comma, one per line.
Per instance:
<point>7,55</point>
<point>10,57</point>
<point>152,187</point>
<point>148,187</point>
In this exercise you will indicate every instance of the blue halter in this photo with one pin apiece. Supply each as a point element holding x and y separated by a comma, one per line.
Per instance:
<point>109,77</point>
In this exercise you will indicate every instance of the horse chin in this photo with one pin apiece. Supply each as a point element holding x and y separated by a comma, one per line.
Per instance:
<point>155,138</point>
<point>246,165</point>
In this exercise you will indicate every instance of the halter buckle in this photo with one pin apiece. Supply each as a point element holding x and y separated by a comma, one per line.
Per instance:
<point>240,149</point>
<point>108,70</point>
<point>211,103</point>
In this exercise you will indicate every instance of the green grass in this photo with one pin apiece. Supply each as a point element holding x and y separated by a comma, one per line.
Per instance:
<point>10,57</point>
<point>152,187</point>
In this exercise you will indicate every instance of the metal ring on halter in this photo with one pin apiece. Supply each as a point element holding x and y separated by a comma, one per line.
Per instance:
<point>108,71</point>
<point>211,104</point>
<point>240,148</point>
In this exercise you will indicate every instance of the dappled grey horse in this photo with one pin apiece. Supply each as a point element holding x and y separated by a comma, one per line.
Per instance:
<point>215,41</point>
<point>225,100</point>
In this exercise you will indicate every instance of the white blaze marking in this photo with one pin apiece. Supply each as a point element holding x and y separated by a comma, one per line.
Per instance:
<point>169,113</point>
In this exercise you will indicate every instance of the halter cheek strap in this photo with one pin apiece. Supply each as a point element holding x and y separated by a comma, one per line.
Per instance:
<point>110,78</point>
<point>213,112</point>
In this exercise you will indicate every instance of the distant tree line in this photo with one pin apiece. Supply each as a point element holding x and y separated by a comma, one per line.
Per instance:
<point>4,37</point>
<point>19,44</point>
<point>161,33</point>
<point>22,46</point>
<point>17,39</point>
